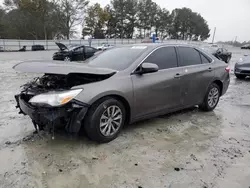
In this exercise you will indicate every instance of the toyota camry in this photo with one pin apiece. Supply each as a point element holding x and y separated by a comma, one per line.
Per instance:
<point>121,86</point>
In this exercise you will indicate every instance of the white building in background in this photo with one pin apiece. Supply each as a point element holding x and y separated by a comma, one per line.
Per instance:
<point>86,37</point>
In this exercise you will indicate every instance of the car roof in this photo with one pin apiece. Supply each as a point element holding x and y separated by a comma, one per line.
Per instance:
<point>156,45</point>
<point>152,46</point>
<point>75,46</point>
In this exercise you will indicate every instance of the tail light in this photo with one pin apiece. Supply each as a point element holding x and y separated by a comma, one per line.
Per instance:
<point>227,69</point>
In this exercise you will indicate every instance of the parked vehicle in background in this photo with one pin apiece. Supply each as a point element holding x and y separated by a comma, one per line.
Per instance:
<point>242,67</point>
<point>104,46</point>
<point>73,52</point>
<point>37,47</point>
<point>1,49</point>
<point>213,45</point>
<point>223,54</point>
<point>121,85</point>
<point>246,46</point>
<point>150,40</point>
<point>23,49</point>
<point>220,53</point>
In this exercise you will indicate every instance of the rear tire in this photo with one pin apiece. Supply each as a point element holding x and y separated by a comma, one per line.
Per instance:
<point>212,98</point>
<point>240,76</point>
<point>104,120</point>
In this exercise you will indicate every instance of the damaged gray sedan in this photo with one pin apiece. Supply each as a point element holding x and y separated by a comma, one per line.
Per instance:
<point>119,86</point>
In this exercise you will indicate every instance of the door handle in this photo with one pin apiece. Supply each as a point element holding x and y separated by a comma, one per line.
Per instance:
<point>210,69</point>
<point>178,75</point>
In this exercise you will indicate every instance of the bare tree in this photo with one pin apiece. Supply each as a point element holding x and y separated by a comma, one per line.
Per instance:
<point>73,14</point>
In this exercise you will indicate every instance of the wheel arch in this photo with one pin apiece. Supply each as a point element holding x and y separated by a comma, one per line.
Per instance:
<point>220,84</point>
<point>120,98</point>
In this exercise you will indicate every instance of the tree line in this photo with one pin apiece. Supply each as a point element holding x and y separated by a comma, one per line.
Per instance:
<point>40,19</point>
<point>50,19</point>
<point>235,43</point>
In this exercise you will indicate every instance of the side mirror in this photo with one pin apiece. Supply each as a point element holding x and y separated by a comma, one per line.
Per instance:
<point>147,68</point>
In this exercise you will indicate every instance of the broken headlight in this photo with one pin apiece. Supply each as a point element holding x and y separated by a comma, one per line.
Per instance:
<point>55,98</point>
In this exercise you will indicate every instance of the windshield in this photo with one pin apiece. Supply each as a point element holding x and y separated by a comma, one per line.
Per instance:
<point>72,46</point>
<point>246,58</point>
<point>117,58</point>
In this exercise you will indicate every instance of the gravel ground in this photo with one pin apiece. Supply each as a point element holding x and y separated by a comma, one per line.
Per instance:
<point>189,148</point>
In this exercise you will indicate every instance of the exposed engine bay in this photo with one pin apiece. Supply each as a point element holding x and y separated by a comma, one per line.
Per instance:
<point>57,82</point>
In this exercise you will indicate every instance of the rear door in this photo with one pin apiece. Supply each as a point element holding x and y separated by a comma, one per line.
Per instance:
<point>159,91</point>
<point>198,74</point>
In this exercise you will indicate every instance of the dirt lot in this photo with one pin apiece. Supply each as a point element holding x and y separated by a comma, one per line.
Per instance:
<point>185,149</point>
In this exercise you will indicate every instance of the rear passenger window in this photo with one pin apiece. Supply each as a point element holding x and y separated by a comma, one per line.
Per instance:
<point>80,49</point>
<point>204,59</point>
<point>189,56</point>
<point>164,57</point>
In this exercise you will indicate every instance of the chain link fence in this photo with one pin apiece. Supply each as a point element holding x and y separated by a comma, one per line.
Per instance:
<point>13,44</point>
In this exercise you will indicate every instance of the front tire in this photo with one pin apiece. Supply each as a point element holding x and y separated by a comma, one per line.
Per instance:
<point>105,120</point>
<point>211,98</point>
<point>67,58</point>
<point>240,76</point>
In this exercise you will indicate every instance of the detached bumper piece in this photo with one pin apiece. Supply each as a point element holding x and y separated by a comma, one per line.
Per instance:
<point>69,116</point>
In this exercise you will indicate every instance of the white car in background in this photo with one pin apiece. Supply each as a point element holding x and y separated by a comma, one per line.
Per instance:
<point>104,46</point>
<point>213,45</point>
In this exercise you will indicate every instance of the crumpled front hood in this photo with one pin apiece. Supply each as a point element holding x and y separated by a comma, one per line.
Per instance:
<point>59,67</point>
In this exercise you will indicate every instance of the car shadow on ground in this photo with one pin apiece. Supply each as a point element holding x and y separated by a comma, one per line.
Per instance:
<point>149,125</point>
<point>148,122</point>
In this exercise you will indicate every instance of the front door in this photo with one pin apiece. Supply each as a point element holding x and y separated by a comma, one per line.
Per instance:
<point>198,74</point>
<point>159,91</point>
<point>78,54</point>
<point>89,51</point>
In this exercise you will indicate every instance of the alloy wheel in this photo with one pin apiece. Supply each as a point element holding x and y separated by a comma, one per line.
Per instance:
<point>66,59</point>
<point>213,97</point>
<point>111,120</point>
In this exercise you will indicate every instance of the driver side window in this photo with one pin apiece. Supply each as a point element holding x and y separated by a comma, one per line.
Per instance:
<point>79,50</point>
<point>164,57</point>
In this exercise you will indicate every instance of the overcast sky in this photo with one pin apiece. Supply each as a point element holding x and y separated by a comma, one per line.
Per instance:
<point>230,17</point>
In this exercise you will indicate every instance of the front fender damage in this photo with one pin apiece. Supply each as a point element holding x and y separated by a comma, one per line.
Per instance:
<point>76,120</point>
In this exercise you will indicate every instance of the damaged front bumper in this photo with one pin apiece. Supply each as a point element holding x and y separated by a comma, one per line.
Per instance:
<point>69,116</point>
